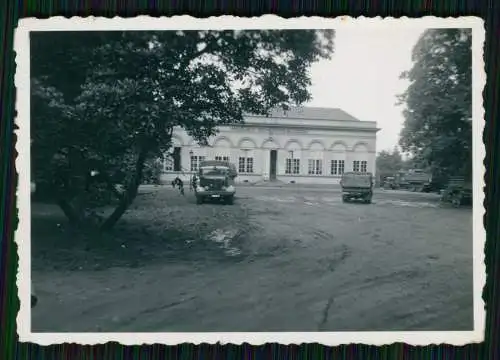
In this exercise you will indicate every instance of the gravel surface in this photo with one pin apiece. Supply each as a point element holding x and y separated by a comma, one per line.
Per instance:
<point>277,260</point>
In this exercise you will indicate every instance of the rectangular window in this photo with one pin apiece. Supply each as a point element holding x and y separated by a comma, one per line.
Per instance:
<point>334,167</point>
<point>341,167</point>
<point>177,159</point>
<point>195,162</point>
<point>364,166</point>
<point>245,165</point>
<point>221,158</point>
<point>296,166</point>
<point>241,165</point>
<point>168,163</point>
<point>337,167</point>
<point>292,166</point>
<point>355,165</point>
<point>249,165</point>
<point>314,167</point>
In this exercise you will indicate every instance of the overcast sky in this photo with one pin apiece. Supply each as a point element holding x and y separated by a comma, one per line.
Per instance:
<point>363,77</point>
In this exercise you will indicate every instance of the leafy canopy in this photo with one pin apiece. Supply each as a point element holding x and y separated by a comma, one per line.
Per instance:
<point>388,163</point>
<point>110,100</point>
<point>438,101</point>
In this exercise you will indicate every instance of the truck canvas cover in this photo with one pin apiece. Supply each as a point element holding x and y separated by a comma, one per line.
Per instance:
<point>357,180</point>
<point>416,176</point>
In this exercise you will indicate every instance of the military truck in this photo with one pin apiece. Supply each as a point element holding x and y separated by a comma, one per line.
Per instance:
<point>389,182</point>
<point>458,191</point>
<point>414,180</point>
<point>358,186</point>
<point>215,181</point>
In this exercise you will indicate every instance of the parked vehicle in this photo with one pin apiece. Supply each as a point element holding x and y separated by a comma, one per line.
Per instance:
<point>215,181</point>
<point>414,180</point>
<point>357,185</point>
<point>389,183</point>
<point>457,192</point>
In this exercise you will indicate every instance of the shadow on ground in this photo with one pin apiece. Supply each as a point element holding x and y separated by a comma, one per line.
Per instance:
<point>174,230</point>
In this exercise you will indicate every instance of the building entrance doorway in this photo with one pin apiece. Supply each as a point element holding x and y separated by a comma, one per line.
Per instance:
<point>177,159</point>
<point>272,164</point>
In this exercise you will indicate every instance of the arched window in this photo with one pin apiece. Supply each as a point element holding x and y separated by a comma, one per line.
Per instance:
<point>315,160</point>
<point>293,156</point>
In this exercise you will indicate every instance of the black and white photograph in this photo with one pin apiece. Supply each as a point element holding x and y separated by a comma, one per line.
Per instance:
<point>250,180</point>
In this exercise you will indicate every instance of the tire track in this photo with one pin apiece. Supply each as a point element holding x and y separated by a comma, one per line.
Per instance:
<point>332,263</point>
<point>324,317</point>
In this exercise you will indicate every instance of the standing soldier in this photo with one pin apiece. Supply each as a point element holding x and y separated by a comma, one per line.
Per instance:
<point>194,182</point>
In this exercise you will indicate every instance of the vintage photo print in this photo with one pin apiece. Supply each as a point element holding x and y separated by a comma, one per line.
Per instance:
<point>250,180</point>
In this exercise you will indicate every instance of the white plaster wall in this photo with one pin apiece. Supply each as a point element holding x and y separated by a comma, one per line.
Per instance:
<point>294,145</point>
<point>167,178</point>
<point>327,146</point>
<point>222,146</point>
<point>337,151</point>
<point>361,152</point>
<point>248,178</point>
<point>334,180</point>
<point>259,166</point>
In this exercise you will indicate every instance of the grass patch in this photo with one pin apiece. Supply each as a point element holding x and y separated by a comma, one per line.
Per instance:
<point>160,227</point>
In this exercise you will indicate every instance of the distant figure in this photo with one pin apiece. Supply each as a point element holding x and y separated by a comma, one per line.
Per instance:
<point>194,181</point>
<point>178,182</point>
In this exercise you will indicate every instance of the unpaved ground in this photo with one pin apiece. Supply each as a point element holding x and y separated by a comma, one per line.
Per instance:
<point>277,260</point>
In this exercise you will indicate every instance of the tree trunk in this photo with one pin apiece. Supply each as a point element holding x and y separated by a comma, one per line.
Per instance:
<point>68,202</point>
<point>130,193</point>
<point>69,211</point>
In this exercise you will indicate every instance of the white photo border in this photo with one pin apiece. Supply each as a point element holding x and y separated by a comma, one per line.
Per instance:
<point>23,232</point>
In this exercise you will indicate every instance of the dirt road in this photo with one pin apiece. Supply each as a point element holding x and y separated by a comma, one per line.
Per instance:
<point>277,260</point>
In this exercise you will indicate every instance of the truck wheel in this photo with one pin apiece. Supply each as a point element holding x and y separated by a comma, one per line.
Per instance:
<point>199,200</point>
<point>230,200</point>
<point>345,199</point>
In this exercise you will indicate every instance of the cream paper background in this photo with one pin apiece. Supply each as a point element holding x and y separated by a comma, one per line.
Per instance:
<point>23,234</point>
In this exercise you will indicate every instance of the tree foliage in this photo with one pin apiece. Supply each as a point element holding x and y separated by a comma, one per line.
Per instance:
<point>389,163</point>
<point>438,102</point>
<point>109,101</point>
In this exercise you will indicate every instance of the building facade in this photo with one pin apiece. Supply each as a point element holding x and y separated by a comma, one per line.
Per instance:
<point>303,145</point>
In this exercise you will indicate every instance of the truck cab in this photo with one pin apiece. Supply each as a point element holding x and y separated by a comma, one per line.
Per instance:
<point>215,181</point>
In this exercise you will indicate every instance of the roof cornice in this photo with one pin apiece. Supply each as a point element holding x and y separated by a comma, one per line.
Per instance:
<point>305,127</point>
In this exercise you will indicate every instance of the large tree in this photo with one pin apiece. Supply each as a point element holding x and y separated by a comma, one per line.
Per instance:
<point>109,101</point>
<point>438,102</point>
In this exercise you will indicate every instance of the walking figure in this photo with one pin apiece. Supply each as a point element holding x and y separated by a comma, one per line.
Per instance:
<point>178,182</point>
